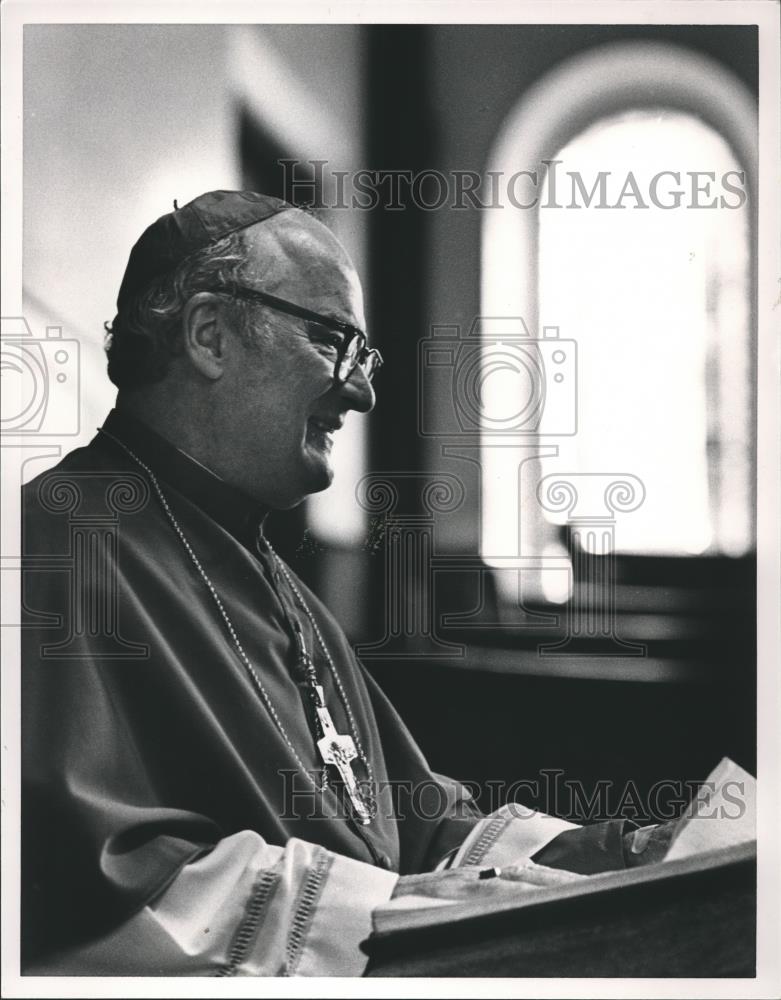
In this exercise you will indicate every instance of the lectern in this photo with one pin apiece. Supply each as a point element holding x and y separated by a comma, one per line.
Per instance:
<point>695,917</point>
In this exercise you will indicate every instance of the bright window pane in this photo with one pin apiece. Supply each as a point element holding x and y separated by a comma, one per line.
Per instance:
<point>657,300</point>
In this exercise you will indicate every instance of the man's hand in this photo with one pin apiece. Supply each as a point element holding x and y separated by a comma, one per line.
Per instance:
<point>648,845</point>
<point>473,882</point>
<point>455,883</point>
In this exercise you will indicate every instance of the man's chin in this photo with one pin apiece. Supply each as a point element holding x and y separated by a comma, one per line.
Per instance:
<point>322,478</point>
<point>289,502</point>
<point>319,472</point>
<point>314,478</point>
<point>317,477</point>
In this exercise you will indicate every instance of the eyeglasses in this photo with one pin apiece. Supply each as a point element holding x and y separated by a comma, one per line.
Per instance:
<point>351,349</point>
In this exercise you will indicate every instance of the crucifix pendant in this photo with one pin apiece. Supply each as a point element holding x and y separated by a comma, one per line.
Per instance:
<point>339,750</point>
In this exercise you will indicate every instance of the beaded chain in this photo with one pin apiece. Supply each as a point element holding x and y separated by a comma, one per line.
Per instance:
<point>253,674</point>
<point>331,665</point>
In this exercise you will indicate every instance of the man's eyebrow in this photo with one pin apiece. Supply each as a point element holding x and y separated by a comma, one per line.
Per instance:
<point>344,324</point>
<point>341,322</point>
<point>332,326</point>
<point>285,306</point>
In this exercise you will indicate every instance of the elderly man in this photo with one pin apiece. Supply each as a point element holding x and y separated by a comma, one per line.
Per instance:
<point>218,800</point>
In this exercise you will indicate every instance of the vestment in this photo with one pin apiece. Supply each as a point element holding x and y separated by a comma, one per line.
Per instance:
<point>167,828</point>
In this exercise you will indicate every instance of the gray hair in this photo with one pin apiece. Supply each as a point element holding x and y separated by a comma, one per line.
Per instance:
<point>145,336</point>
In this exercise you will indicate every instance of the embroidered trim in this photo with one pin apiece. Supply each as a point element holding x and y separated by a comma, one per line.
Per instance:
<point>304,910</point>
<point>490,834</point>
<point>264,888</point>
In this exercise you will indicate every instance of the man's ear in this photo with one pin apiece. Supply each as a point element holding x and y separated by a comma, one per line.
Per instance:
<point>205,339</point>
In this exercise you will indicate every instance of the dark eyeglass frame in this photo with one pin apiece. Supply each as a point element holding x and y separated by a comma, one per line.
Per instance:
<point>351,333</point>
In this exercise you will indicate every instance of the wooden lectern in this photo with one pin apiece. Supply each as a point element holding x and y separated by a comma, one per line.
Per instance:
<point>691,917</point>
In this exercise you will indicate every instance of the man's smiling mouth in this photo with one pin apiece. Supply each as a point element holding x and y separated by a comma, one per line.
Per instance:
<point>325,425</point>
<point>320,431</point>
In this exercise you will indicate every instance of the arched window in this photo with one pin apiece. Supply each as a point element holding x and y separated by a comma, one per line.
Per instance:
<point>652,304</point>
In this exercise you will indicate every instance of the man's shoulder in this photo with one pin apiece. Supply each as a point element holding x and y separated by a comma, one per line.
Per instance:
<point>84,475</point>
<point>86,458</point>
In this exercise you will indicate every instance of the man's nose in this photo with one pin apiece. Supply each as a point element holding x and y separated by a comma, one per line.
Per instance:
<point>358,391</point>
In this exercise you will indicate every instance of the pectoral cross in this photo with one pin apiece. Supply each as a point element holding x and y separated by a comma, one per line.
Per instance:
<point>338,749</point>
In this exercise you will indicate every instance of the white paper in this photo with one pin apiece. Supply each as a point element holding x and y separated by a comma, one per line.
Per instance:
<point>723,814</point>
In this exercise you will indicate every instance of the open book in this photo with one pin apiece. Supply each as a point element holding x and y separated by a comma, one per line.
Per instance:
<point>722,815</point>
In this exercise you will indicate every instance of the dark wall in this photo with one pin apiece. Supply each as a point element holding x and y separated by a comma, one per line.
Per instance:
<point>495,730</point>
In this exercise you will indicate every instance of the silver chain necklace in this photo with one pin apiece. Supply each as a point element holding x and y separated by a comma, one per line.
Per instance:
<point>321,642</point>
<point>338,750</point>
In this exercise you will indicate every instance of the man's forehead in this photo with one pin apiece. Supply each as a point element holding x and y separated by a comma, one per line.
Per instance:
<point>295,254</point>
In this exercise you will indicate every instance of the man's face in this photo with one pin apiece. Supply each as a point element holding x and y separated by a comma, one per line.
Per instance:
<point>282,409</point>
